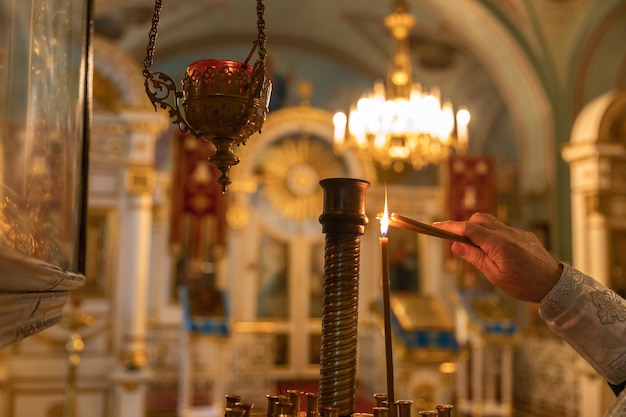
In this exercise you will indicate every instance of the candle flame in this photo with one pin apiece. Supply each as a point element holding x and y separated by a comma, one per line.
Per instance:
<point>384,220</point>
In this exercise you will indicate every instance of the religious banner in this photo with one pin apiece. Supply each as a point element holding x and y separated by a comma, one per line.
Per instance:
<point>198,208</point>
<point>470,186</point>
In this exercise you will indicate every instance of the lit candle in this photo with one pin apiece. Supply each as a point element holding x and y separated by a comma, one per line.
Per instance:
<point>462,120</point>
<point>384,249</point>
<point>339,121</point>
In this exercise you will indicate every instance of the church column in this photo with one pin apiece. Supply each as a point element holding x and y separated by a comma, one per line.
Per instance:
<point>491,373</point>
<point>506,379</point>
<point>159,285</point>
<point>598,247</point>
<point>134,250</point>
<point>596,156</point>
<point>462,380</point>
<point>478,348</point>
<point>135,261</point>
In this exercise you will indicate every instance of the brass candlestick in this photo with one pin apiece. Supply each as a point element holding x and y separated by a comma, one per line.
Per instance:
<point>343,221</point>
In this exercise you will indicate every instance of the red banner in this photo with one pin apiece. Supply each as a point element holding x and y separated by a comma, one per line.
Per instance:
<point>470,186</point>
<point>198,210</point>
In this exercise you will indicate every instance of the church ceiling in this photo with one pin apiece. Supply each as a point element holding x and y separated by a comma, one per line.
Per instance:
<point>508,61</point>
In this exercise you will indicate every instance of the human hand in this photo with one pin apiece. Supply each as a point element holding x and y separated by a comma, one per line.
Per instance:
<point>513,260</point>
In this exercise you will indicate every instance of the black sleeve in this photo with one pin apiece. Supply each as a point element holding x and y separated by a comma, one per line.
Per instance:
<point>617,389</point>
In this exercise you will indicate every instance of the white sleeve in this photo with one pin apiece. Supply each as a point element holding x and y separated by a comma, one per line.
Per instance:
<point>618,409</point>
<point>592,319</point>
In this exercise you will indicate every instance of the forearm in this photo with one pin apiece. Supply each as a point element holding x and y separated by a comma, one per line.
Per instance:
<point>592,319</point>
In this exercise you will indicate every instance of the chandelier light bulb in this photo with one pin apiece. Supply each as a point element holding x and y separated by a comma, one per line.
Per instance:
<point>400,78</point>
<point>447,121</point>
<point>462,121</point>
<point>340,121</point>
<point>463,116</point>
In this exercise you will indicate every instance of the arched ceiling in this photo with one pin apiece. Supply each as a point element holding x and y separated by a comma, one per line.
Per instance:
<point>506,60</point>
<point>341,47</point>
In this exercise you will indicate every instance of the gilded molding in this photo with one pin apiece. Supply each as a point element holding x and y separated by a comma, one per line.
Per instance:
<point>116,71</point>
<point>132,360</point>
<point>140,179</point>
<point>131,385</point>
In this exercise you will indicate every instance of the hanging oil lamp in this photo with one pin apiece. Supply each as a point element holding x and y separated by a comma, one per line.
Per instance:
<point>222,101</point>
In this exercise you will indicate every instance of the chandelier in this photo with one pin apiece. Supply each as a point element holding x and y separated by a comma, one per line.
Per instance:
<point>400,123</point>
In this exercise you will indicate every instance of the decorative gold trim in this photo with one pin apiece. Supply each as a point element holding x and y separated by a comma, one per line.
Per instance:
<point>134,359</point>
<point>140,179</point>
<point>131,385</point>
<point>291,173</point>
<point>292,121</point>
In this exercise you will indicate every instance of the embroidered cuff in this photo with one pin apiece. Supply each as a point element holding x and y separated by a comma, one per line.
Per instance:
<point>562,295</point>
<point>592,319</point>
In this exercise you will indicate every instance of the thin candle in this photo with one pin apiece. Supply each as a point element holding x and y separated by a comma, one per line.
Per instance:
<point>384,249</point>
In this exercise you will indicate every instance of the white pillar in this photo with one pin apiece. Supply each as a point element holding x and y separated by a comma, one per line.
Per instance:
<point>130,394</point>
<point>477,375</point>
<point>131,374</point>
<point>160,309</point>
<point>579,230</point>
<point>506,379</point>
<point>462,382</point>
<point>597,247</point>
<point>134,262</point>
<point>491,373</point>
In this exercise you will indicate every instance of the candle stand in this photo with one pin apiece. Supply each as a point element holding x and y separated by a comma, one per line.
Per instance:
<point>343,221</point>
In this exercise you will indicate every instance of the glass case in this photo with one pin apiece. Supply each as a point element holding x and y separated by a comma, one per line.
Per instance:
<point>43,124</point>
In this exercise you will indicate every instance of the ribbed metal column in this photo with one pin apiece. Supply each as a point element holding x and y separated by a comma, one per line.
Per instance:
<point>343,221</point>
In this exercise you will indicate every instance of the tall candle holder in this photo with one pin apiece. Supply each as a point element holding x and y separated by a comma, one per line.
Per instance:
<point>223,102</point>
<point>343,221</point>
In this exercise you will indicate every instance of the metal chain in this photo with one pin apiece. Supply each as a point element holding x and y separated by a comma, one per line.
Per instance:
<point>260,11</point>
<point>147,63</point>
<point>158,5</point>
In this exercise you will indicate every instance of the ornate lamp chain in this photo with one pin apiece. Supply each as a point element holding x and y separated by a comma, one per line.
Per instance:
<point>260,12</point>
<point>147,63</point>
<point>158,5</point>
